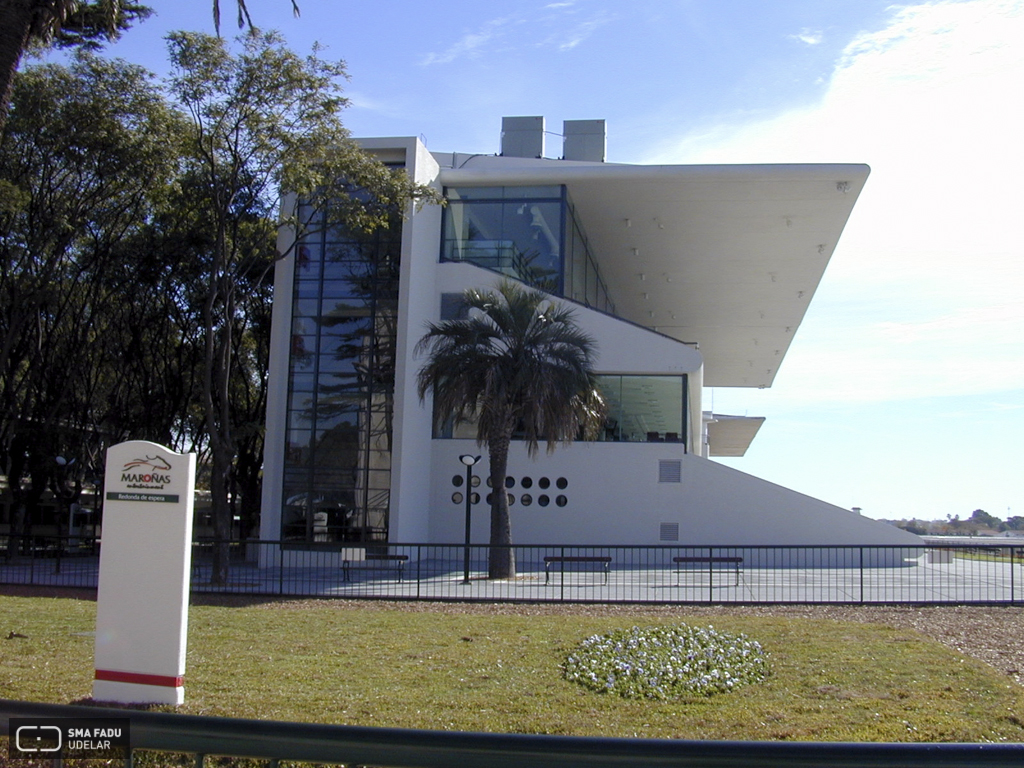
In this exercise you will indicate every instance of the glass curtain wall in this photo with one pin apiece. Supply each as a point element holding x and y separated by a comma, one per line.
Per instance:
<point>337,474</point>
<point>648,409</point>
<point>527,233</point>
<point>641,409</point>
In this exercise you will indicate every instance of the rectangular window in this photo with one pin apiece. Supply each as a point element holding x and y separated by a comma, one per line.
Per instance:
<point>527,233</point>
<point>641,409</point>
<point>644,408</point>
<point>519,238</point>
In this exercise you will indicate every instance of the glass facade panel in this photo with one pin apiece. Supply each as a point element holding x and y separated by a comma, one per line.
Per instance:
<point>641,409</point>
<point>337,473</point>
<point>520,238</point>
<point>528,233</point>
<point>578,269</point>
<point>644,408</point>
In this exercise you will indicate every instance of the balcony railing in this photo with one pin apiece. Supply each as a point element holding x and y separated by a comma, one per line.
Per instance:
<point>956,574</point>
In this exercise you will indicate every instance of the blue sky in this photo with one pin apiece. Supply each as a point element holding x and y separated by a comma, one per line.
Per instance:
<point>903,393</point>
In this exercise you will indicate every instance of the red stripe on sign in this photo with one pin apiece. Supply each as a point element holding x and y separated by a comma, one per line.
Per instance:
<point>138,678</point>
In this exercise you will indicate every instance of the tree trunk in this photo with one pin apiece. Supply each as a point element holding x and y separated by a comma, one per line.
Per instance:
<point>221,520</point>
<point>216,376</point>
<point>15,24</point>
<point>502,560</point>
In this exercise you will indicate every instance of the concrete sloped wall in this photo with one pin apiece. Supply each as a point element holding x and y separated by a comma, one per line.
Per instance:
<point>755,511</point>
<point>613,496</point>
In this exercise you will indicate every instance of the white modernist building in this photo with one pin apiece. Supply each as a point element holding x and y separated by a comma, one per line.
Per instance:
<point>687,277</point>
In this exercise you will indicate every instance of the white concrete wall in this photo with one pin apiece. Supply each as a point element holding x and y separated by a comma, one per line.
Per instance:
<point>418,302</point>
<point>695,413</point>
<point>614,498</point>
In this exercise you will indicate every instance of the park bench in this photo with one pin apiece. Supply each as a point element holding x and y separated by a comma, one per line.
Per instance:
<point>604,561</point>
<point>376,562</point>
<point>710,562</point>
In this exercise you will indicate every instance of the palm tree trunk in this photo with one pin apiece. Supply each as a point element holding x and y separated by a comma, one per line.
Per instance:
<point>15,25</point>
<point>502,560</point>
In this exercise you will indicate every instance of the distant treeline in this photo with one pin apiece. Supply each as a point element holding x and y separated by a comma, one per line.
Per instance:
<point>979,522</point>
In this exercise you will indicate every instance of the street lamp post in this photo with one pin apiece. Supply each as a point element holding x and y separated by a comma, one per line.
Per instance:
<point>469,461</point>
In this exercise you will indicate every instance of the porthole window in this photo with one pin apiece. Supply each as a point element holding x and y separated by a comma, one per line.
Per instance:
<point>526,499</point>
<point>458,480</point>
<point>511,499</point>
<point>490,498</point>
<point>543,500</point>
<point>457,498</point>
<point>476,481</point>
<point>526,482</point>
<point>489,482</point>
<point>510,482</point>
<point>544,482</point>
<point>561,501</point>
<point>475,498</point>
<point>562,483</point>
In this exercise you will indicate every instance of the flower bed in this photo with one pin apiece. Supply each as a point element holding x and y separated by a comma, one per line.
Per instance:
<point>666,662</point>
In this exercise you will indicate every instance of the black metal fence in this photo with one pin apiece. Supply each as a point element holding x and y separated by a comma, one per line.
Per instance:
<point>955,574</point>
<point>352,745</point>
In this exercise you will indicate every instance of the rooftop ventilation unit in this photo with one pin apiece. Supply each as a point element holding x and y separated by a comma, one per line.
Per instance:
<point>522,137</point>
<point>584,140</point>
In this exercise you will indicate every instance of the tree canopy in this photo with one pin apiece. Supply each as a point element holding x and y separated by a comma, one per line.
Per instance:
<point>86,148</point>
<point>82,23</point>
<point>261,122</point>
<point>138,231</point>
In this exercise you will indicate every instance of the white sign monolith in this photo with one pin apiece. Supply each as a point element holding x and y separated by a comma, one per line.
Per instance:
<point>145,557</point>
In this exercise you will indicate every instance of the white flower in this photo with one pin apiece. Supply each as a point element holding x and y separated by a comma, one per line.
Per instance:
<point>649,662</point>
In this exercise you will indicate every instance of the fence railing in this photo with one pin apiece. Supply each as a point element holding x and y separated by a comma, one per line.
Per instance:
<point>355,745</point>
<point>983,573</point>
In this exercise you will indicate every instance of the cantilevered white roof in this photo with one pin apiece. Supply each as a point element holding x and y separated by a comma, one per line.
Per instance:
<point>727,256</point>
<point>731,435</point>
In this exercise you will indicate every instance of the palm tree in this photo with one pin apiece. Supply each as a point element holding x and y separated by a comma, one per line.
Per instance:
<point>82,23</point>
<point>243,13</point>
<point>516,361</point>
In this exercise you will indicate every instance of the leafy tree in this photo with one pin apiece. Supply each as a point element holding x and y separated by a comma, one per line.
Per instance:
<point>983,519</point>
<point>64,23</point>
<point>517,362</point>
<point>86,146</point>
<point>912,526</point>
<point>24,23</point>
<point>263,121</point>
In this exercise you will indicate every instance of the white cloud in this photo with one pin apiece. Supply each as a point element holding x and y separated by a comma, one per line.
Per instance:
<point>933,251</point>
<point>559,27</point>
<point>581,32</point>
<point>809,36</point>
<point>1002,321</point>
<point>469,44</point>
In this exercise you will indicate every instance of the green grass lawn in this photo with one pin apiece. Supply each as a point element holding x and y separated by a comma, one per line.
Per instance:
<point>486,669</point>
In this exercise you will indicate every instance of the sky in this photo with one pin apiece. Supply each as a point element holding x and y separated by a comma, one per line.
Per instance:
<point>903,391</point>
